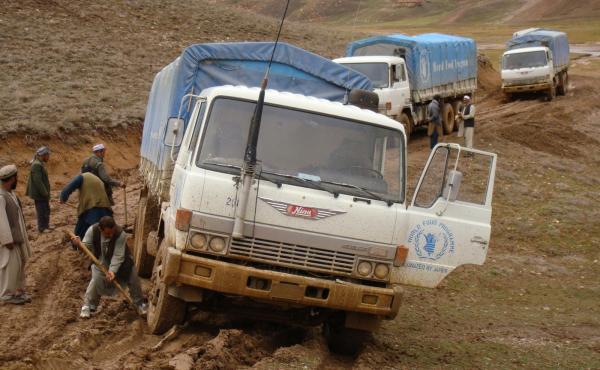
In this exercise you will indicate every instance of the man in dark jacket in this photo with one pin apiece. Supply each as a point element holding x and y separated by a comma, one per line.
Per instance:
<point>38,188</point>
<point>108,243</point>
<point>95,165</point>
<point>435,128</point>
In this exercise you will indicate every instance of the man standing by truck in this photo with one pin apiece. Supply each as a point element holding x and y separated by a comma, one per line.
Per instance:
<point>95,165</point>
<point>38,188</point>
<point>468,116</point>
<point>435,128</point>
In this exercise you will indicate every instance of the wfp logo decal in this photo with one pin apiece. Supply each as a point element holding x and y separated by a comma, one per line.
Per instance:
<point>431,239</point>
<point>424,66</point>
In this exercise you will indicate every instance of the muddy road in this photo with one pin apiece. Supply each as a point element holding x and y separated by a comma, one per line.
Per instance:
<point>71,79</point>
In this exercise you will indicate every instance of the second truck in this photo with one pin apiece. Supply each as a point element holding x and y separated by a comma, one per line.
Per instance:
<point>536,61</point>
<point>408,71</point>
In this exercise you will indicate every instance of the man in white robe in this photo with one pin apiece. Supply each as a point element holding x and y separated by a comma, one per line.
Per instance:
<point>14,246</point>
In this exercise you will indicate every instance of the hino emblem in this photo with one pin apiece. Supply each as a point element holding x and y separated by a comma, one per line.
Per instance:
<point>295,210</point>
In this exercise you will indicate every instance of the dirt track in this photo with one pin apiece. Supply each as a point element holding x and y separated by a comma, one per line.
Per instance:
<point>533,304</point>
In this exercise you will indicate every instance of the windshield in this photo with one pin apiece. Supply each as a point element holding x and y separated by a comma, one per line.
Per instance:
<point>378,73</point>
<point>303,148</point>
<point>525,60</point>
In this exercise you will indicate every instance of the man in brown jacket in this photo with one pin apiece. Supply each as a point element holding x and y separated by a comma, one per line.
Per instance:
<point>38,188</point>
<point>14,246</point>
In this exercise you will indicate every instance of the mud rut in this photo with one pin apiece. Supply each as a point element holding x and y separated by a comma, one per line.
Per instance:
<point>47,333</point>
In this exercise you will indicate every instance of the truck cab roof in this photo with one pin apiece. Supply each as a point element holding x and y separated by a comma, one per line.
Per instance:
<point>302,102</point>
<point>371,59</point>
<point>525,50</point>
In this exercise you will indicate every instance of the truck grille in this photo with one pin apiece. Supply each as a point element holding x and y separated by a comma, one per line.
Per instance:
<point>291,255</point>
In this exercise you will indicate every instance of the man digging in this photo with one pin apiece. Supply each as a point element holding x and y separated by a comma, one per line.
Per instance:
<point>107,241</point>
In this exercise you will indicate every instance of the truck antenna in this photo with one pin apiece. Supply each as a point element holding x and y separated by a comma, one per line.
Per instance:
<point>347,97</point>
<point>248,170</point>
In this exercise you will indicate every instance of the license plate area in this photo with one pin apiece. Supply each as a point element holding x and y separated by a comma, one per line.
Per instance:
<point>287,291</point>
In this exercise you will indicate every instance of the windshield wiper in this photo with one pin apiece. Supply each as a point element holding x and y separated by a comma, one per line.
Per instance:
<point>221,165</point>
<point>314,184</point>
<point>371,194</point>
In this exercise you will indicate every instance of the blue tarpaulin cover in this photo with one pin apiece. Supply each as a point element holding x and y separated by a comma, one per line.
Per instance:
<point>207,65</point>
<point>555,40</point>
<point>432,59</point>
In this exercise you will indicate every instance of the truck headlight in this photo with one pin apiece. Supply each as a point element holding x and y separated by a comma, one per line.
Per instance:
<point>217,244</point>
<point>198,241</point>
<point>381,271</point>
<point>364,268</point>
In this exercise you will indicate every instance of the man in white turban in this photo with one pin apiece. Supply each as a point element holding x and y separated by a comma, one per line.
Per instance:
<point>14,246</point>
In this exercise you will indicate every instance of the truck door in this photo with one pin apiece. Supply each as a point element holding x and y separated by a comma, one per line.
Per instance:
<point>401,85</point>
<point>450,215</point>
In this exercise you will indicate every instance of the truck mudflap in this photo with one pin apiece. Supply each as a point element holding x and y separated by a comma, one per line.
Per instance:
<point>185,269</point>
<point>526,88</point>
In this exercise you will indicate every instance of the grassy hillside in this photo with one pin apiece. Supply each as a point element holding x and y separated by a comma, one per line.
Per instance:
<point>485,20</point>
<point>79,65</point>
<point>446,11</point>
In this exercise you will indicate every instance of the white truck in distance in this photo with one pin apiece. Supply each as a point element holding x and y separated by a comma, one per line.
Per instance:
<point>329,235</point>
<point>408,71</point>
<point>537,60</point>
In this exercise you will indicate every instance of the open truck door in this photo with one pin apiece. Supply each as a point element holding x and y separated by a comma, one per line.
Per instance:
<point>449,220</point>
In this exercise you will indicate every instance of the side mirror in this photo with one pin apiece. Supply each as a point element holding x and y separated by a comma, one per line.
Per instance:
<point>174,133</point>
<point>452,187</point>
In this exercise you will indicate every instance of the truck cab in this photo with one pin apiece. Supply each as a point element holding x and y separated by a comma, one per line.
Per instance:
<point>527,69</point>
<point>390,81</point>
<point>329,234</point>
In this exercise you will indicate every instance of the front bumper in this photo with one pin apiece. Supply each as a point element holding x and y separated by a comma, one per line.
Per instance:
<point>185,269</point>
<point>541,86</point>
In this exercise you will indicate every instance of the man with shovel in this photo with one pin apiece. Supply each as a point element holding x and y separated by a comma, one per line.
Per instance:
<point>107,242</point>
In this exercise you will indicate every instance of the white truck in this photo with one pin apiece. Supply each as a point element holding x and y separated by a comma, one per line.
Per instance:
<point>408,71</point>
<point>328,235</point>
<point>537,60</point>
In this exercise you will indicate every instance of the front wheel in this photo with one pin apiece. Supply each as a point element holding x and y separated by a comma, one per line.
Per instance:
<point>164,310</point>
<point>405,121</point>
<point>551,94</point>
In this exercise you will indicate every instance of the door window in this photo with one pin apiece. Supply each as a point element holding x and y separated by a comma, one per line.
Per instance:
<point>457,175</point>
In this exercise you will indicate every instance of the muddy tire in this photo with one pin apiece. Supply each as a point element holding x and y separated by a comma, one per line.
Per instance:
<point>457,105</point>
<point>407,123</point>
<point>565,83</point>
<point>560,89</point>
<point>344,341</point>
<point>145,220</point>
<point>164,310</point>
<point>551,93</point>
<point>448,118</point>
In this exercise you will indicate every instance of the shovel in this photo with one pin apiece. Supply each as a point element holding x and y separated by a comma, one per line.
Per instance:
<point>126,226</point>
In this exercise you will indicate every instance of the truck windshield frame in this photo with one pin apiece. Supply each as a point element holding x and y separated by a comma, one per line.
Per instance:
<point>377,72</point>
<point>528,59</point>
<point>306,145</point>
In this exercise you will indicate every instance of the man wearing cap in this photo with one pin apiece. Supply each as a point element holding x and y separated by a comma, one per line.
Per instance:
<point>93,200</point>
<point>468,116</point>
<point>14,246</point>
<point>95,165</point>
<point>38,188</point>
